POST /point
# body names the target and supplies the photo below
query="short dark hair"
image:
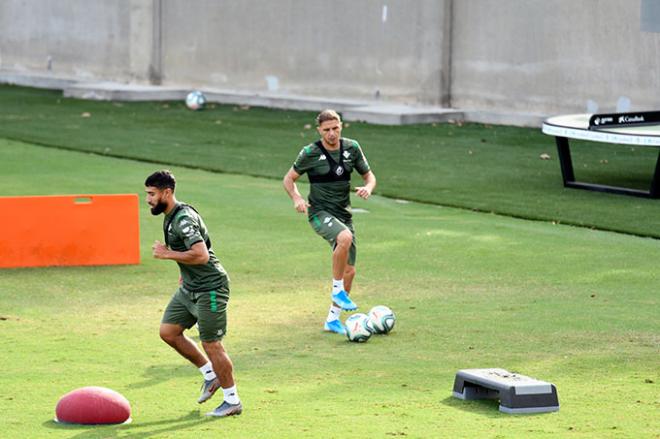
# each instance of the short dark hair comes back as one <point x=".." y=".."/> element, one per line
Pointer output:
<point x="161" y="179"/>
<point x="326" y="115"/>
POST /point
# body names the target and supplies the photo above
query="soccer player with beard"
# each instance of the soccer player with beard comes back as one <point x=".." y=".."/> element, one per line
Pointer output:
<point x="201" y="297"/>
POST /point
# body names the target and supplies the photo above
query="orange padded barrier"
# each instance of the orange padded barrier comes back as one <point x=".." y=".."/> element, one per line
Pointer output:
<point x="69" y="230"/>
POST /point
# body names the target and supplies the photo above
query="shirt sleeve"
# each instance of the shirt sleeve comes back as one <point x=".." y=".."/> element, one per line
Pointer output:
<point x="302" y="163"/>
<point x="361" y="164"/>
<point x="187" y="227"/>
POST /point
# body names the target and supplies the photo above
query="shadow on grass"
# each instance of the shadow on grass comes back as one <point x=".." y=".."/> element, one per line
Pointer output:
<point x="158" y="374"/>
<point x="486" y="407"/>
<point x="132" y="430"/>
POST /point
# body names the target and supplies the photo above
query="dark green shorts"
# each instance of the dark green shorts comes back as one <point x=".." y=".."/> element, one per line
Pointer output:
<point x="329" y="227"/>
<point x="207" y="308"/>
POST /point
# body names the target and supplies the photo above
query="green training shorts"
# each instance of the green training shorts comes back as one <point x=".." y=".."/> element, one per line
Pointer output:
<point x="328" y="227"/>
<point x="207" y="308"/>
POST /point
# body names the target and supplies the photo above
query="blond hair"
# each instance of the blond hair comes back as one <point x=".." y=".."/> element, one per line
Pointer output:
<point x="326" y="115"/>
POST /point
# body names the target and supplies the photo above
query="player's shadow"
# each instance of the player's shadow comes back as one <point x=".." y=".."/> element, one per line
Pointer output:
<point x="486" y="407"/>
<point x="132" y="430"/>
<point x="157" y="374"/>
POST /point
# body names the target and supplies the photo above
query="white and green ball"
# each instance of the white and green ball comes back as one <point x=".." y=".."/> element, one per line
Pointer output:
<point x="195" y="100"/>
<point x="381" y="319"/>
<point x="357" y="328"/>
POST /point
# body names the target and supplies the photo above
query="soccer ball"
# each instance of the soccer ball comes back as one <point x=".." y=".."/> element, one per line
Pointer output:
<point x="357" y="328"/>
<point x="195" y="100"/>
<point x="381" y="319"/>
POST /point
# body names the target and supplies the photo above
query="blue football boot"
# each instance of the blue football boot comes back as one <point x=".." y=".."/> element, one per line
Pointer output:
<point x="335" y="326"/>
<point x="345" y="302"/>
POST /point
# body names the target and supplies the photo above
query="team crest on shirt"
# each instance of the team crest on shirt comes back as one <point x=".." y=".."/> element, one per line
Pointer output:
<point x="187" y="227"/>
<point x="347" y="154"/>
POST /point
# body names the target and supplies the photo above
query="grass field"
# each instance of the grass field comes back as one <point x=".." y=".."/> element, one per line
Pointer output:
<point x="573" y="306"/>
<point x="484" y="168"/>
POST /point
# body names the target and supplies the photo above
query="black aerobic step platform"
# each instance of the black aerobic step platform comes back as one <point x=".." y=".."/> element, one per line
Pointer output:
<point x="516" y="393"/>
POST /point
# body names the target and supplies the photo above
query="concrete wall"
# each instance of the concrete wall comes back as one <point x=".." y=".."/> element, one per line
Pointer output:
<point x="392" y="50"/>
<point x="553" y="56"/>
<point x="539" y="56"/>
<point x="343" y="48"/>
<point x="88" y="39"/>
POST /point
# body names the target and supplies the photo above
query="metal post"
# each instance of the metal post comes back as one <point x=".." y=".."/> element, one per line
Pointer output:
<point x="565" y="161"/>
<point x="654" y="192"/>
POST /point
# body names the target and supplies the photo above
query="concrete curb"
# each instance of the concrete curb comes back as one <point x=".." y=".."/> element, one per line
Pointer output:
<point x="375" y="112"/>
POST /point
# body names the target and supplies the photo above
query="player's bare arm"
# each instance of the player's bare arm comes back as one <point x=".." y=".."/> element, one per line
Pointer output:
<point x="369" y="185"/>
<point x="299" y="203"/>
<point x="198" y="254"/>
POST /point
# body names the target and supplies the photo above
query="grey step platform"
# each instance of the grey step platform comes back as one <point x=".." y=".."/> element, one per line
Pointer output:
<point x="516" y="393"/>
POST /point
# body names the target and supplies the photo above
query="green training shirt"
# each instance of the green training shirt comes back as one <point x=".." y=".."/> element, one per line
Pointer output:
<point x="186" y="229"/>
<point x="331" y="196"/>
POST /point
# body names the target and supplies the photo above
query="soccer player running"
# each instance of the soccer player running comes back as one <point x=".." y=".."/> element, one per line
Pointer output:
<point x="202" y="295"/>
<point x="328" y="164"/>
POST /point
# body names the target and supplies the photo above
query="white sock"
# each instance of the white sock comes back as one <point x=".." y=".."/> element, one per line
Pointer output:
<point x="334" y="313"/>
<point x="231" y="395"/>
<point x="337" y="285"/>
<point x="207" y="371"/>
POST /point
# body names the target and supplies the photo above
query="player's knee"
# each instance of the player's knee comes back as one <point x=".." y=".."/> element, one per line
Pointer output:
<point x="345" y="238"/>
<point x="213" y="348"/>
<point x="167" y="335"/>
